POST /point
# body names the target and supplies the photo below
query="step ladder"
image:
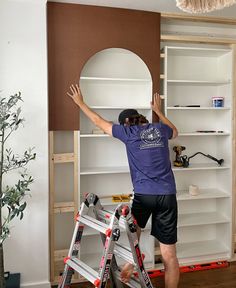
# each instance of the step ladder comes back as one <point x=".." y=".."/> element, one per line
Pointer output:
<point x="108" y="223"/>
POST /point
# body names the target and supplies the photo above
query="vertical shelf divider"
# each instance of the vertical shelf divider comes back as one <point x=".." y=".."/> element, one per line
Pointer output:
<point x="51" y="203"/>
<point x="234" y="153"/>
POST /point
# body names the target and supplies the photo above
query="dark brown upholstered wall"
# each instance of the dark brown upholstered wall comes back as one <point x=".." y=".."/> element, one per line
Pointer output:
<point x="76" y="32"/>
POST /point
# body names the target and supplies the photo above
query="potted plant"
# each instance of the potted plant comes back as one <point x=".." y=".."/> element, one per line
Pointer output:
<point x="12" y="197"/>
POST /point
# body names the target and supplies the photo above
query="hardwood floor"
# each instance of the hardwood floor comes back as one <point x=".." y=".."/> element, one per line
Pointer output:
<point x="216" y="278"/>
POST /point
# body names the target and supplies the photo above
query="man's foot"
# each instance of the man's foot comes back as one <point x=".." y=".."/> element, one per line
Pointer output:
<point x="127" y="272"/>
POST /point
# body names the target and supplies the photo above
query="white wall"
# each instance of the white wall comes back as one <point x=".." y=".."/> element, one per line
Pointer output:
<point x="23" y="67"/>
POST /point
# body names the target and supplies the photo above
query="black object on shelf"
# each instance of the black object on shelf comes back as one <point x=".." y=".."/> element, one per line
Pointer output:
<point x="186" y="159"/>
<point x="206" y="131"/>
<point x="193" y="105"/>
<point x="210" y="131"/>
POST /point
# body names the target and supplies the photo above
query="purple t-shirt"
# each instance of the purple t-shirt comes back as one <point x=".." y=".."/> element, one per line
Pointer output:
<point x="148" y="157"/>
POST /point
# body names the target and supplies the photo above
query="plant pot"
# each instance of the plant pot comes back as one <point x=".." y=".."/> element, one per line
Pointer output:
<point x="12" y="280"/>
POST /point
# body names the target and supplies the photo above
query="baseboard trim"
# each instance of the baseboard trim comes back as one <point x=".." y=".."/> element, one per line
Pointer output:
<point x="36" y="285"/>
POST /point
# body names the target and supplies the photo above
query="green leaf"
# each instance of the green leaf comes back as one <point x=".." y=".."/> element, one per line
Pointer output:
<point x="22" y="207"/>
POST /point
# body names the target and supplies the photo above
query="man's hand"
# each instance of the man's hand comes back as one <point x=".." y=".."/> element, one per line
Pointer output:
<point x="76" y="94"/>
<point x="156" y="107"/>
<point x="156" y="103"/>
<point x="77" y="97"/>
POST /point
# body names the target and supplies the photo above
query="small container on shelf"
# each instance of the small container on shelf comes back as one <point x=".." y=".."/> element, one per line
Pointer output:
<point x="217" y="102"/>
<point x="193" y="190"/>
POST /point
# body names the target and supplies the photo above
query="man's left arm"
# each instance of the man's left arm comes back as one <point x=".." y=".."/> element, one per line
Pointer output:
<point x="77" y="97"/>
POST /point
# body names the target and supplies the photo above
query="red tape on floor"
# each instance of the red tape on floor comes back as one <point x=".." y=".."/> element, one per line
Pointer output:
<point x="191" y="268"/>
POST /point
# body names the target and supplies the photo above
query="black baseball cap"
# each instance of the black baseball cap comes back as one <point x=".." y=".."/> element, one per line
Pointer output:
<point x="127" y="113"/>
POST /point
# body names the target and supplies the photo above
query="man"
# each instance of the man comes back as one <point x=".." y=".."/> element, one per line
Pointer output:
<point x="151" y="174"/>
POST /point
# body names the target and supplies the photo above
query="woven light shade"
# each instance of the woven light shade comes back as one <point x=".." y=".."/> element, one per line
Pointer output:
<point x="203" y="6"/>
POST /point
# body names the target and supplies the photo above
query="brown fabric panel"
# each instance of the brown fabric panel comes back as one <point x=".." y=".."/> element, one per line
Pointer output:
<point x="77" y="32"/>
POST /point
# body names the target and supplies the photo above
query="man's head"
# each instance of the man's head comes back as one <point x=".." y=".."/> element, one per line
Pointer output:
<point x="131" y="117"/>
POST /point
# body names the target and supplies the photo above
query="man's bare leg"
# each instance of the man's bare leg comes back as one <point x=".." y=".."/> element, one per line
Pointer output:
<point x="171" y="264"/>
<point x="128" y="269"/>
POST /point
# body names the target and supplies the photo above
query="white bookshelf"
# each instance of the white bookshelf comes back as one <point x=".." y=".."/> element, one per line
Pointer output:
<point x="198" y="252"/>
<point x="200" y="166"/>
<point x="203" y="134"/>
<point x="115" y="79"/>
<point x="94" y="135"/>
<point x="203" y="194"/>
<point x="111" y="81"/>
<point x="193" y="75"/>
<point x="198" y="108"/>
<point x="104" y="170"/>
<point x="197" y="82"/>
<point x="206" y="218"/>
<point x="119" y="107"/>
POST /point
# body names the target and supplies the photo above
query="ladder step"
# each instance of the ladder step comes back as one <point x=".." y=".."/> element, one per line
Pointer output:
<point x="83" y="269"/>
<point x="124" y="252"/>
<point x="95" y="224"/>
<point x="106" y="215"/>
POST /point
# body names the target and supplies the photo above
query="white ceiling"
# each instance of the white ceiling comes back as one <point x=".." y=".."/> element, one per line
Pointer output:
<point x="150" y="5"/>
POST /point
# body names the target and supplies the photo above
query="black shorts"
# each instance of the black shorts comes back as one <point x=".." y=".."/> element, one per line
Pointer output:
<point x="164" y="211"/>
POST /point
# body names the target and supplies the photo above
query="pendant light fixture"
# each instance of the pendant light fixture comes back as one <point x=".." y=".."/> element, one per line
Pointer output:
<point x="203" y="6"/>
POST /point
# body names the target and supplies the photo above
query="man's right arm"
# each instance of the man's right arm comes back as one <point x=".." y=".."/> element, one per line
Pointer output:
<point x="156" y="107"/>
<point x="77" y="97"/>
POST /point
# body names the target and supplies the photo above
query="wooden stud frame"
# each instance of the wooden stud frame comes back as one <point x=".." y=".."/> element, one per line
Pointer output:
<point x="197" y="38"/>
<point x="202" y="19"/>
<point x="61" y="207"/>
